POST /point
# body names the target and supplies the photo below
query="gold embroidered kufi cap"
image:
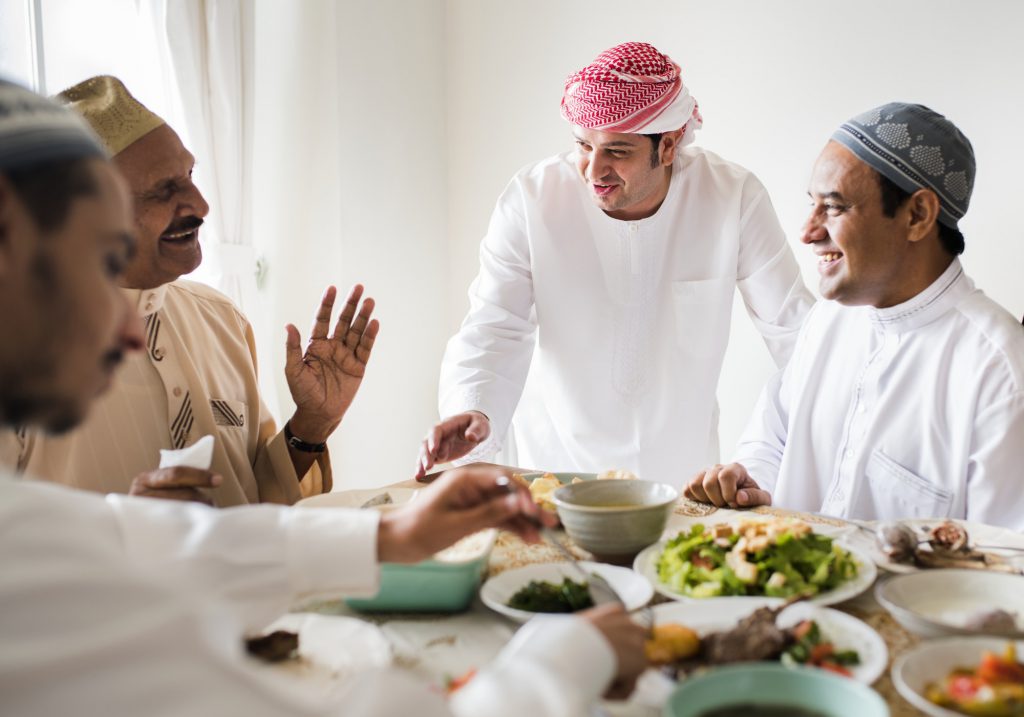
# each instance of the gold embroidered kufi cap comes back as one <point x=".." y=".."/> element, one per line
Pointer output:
<point x="106" y="104"/>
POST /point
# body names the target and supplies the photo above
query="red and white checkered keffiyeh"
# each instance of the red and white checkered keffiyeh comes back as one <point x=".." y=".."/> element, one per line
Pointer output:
<point x="631" y="88"/>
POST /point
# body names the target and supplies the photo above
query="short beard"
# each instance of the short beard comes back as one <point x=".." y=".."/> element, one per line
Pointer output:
<point x="21" y="410"/>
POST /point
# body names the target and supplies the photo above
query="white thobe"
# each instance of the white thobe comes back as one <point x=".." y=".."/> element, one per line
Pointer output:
<point x="913" y="411"/>
<point x="614" y="332"/>
<point x="136" y="606"/>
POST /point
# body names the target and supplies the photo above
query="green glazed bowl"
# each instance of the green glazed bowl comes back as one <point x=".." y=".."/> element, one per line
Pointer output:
<point x="430" y="586"/>
<point x="767" y="684"/>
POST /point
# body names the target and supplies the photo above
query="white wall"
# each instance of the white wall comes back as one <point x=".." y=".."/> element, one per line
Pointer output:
<point x="350" y="187"/>
<point x="385" y="130"/>
<point x="773" y="80"/>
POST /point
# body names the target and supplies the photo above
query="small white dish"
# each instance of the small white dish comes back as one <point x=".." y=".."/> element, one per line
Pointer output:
<point x="931" y="661"/>
<point x="634" y="589"/>
<point x="998" y="541"/>
<point x="934" y="603"/>
<point x="646" y="564"/>
<point x="845" y="631"/>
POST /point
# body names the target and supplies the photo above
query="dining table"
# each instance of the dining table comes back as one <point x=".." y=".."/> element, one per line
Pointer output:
<point x="336" y="642"/>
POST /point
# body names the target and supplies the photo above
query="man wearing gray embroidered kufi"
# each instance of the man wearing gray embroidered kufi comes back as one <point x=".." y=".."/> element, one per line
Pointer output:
<point x="905" y="396"/>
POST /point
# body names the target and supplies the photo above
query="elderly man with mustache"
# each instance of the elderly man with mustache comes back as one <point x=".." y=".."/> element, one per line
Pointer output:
<point x="197" y="375"/>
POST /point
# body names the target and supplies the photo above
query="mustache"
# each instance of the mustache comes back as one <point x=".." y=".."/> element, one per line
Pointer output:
<point x="185" y="224"/>
<point x="112" y="359"/>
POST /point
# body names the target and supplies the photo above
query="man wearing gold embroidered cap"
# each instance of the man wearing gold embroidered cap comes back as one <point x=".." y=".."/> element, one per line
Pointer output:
<point x="198" y="373"/>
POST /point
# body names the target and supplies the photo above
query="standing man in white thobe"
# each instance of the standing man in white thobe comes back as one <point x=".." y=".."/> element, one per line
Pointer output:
<point x="905" y="395"/>
<point x="599" y="320"/>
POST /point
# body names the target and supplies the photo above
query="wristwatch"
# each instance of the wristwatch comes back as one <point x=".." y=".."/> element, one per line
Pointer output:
<point x="299" y="444"/>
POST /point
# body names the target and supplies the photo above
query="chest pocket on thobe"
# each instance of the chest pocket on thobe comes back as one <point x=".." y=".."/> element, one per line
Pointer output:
<point x="228" y="414"/>
<point x="702" y="312"/>
<point x="899" y="493"/>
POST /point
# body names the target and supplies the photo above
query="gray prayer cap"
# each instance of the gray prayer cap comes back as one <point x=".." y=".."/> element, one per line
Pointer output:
<point x="35" y="130"/>
<point x="915" y="148"/>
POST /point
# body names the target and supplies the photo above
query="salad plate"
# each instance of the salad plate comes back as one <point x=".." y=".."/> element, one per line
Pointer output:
<point x="848" y="572"/>
<point x="844" y="631"/>
<point x="634" y="589"/>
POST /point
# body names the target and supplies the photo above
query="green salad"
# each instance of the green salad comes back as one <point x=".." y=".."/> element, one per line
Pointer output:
<point x="774" y="558"/>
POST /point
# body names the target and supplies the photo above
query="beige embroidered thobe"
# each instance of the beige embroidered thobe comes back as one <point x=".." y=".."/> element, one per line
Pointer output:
<point x="197" y="376"/>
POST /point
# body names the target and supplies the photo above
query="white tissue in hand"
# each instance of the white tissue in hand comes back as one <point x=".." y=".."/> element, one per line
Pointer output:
<point x="198" y="455"/>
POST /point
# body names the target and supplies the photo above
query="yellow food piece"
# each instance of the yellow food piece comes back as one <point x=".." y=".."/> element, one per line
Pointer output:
<point x="616" y="474"/>
<point x="671" y="642"/>
<point x="541" y="490"/>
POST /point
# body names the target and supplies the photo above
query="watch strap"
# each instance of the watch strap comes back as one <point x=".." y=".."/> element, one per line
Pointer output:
<point x="298" y="444"/>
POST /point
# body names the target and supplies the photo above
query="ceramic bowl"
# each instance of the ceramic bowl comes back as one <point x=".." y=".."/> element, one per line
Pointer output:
<point x="934" y="603"/>
<point x="615" y="518"/>
<point x="933" y="660"/>
<point x="765" y="684"/>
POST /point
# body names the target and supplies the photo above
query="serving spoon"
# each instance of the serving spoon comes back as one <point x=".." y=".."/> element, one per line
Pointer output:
<point x="601" y="590"/>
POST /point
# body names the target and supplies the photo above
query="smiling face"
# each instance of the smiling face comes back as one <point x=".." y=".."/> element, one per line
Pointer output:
<point x="168" y="208"/>
<point x="622" y="176"/>
<point x="865" y="257"/>
<point x="68" y="324"/>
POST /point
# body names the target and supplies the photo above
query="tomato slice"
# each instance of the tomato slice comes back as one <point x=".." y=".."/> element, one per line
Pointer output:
<point x="835" y="667"/>
<point x="820" y="653"/>
<point x="962" y="687"/>
<point x="994" y="669"/>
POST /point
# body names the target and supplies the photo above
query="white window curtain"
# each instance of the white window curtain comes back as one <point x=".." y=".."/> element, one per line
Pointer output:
<point x="205" y="50"/>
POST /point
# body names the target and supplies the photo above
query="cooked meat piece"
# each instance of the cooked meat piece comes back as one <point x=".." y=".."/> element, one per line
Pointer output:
<point x="995" y="622"/>
<point x="897" y="541"/>
<point x="275" y="647"/>
<point x="754" y="638"/>
<point x="948" y="537"/>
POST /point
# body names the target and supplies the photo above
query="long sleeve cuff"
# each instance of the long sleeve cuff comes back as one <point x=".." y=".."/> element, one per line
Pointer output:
<point x="565" y="661"/>
<point x="312" y="534"/>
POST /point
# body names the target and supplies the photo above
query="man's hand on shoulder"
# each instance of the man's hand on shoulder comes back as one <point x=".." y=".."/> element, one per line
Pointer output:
<point x="452" y="438"/>
<point x="728" y="486"/>
<point x="324" y="378"/>
<point x="178" y="483"/>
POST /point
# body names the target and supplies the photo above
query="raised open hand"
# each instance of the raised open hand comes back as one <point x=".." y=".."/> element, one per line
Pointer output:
<point x="324" y="379"/>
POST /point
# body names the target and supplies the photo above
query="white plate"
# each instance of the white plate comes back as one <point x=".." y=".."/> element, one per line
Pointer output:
<point x="645" y="564"/>
<point x="845" y="631"/>
<point x="932" y="603"/>
<point x="634" y="589"/>
<point x="933" y="660"/>
<point x="863" y="539"/>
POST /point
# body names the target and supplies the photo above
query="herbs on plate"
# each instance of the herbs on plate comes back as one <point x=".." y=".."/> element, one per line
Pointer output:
<point x="544" y="596"/>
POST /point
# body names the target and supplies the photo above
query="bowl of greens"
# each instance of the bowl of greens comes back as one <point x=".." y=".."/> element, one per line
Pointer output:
<point x="525" y="592"/>
<point x="769" y="557"/>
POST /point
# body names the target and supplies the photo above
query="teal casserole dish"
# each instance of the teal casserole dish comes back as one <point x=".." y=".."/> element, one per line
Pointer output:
<point x="446" y="583"/>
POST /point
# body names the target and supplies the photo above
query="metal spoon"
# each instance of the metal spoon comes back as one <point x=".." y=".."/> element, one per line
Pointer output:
<point x="600" y="589"/>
